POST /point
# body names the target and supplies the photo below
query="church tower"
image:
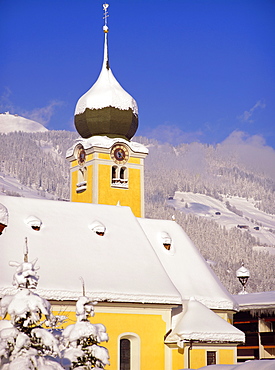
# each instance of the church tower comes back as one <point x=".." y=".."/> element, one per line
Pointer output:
<point x="106" y="167"/>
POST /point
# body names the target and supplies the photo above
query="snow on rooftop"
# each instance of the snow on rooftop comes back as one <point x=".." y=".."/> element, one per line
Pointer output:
<point x="119" y="266"/>
<point x="186" y="267"/>
<point x="12" y="123"/>
<point x="256" y="301"/>
<point x="106" y="92"/>
<point x="248" y="365"/>
<point x="199" y="323"/>
<point x="107" y="143"/>
<point x="4" y="216"/>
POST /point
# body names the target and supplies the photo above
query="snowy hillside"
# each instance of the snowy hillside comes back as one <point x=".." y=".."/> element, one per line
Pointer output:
<point x="12" y="123"/>
<point x="201" y="182"/>
<point x="230" y="212"/>
<point x="11" y="186"/>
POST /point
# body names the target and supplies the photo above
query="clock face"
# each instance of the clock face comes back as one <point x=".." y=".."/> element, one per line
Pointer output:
<point x="81" y="156"/>
<point x="119" y="154"/>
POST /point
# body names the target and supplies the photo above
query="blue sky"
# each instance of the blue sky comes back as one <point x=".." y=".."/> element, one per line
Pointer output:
<point x="199" y="69"/>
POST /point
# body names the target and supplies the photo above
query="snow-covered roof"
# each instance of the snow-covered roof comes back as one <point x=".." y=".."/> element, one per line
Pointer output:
<point x="106" y="92"/>
<point x="256" y="301"/>
<point x="12" y="123"/>
<point x="198" y="323"/>
<point x="119" y="266"/>
<point x="107" y="143"/>
<point x="186" y="267"/>
<point x="248" y="365"/>
<point x="4" y="216"/>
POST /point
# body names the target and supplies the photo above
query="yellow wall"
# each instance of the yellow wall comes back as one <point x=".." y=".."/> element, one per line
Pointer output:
<point x="105" y="193"/>
<point x="127" y="197"/>
<point x="226" y="356"/>
<point x="149" y="327"/>
<point x="197" y="357"/>
<point x="178" y="357"/>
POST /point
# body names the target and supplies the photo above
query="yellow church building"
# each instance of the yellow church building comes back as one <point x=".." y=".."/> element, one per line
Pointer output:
<point x="162" y="305"/>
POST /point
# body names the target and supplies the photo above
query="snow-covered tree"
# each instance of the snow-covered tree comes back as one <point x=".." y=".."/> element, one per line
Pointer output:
<point x="30" y="340"/>
<point x="81" y="340"/>
<point x="24" y="343"/>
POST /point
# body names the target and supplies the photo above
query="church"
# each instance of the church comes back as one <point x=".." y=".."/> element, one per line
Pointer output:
<point x="162" y="305"/>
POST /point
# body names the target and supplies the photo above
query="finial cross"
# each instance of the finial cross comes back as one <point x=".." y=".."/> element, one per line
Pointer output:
<point x="105" y="16"/>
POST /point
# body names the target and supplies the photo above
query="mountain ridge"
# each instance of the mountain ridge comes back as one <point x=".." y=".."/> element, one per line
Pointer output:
<point x="14" y="122"/>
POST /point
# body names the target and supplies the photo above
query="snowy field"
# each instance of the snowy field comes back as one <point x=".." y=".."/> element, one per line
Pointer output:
<point x="257" y="222"/>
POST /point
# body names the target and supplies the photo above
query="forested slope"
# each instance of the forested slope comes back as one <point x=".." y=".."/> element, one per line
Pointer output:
<point x="38" y="161"/>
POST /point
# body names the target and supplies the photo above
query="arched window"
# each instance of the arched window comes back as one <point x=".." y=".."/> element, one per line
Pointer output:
<point x="119" y="177"/>
<point x="122" y="173"/>
<point x="129" y="352"/>
<point x="82" y="179"/>
<point x="114" y="175"/>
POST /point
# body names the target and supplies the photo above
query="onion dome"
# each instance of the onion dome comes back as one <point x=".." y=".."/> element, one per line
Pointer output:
<point x="106" y="109"/>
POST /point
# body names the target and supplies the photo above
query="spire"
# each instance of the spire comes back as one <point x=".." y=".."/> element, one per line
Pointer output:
<point x="106" y="109"/>
<point x="106" y="30"/>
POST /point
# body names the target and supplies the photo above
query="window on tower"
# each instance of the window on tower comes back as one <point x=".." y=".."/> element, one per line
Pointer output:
<point x="119" y="177"/>
<point x="82" y="180"/>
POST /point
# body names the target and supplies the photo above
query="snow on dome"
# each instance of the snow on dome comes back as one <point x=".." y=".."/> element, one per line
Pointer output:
<point x="4" y="215"/>
<point x="106" y="92"/>
<point x="198" y="323"/>
<point x="106" y="108"/>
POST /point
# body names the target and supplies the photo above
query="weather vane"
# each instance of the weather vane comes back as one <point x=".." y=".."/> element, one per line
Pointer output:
<point x="106" y="15"/>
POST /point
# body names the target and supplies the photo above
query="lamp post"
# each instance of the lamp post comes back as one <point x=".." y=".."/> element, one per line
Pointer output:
<point x="243" y="275"/>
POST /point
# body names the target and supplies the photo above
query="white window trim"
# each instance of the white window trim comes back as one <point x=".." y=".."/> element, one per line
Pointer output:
<point x="135" y="349"/>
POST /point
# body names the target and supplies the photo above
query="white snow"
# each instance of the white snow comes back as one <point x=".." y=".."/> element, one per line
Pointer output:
<point x="10" y="185"/>
<point x="261" y="300"/>
<point x="119" y="266"/>
<point x="22" y="302"/>
<point x="12" y="123"/>
<point x="4" y="215"/>
<point x="106" y="92"/>
<point x="242" y="272"/>
<point x="185" y="266"/>
<point x="248" y="365"/>
<point x="206" y="206"/>
<point x="198" y="323"/>
<point x="84" y="308"/>
<point x="106" y="143"/>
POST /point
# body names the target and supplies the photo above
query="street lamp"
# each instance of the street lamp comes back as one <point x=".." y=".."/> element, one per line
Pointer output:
<point x="243" y="275"/>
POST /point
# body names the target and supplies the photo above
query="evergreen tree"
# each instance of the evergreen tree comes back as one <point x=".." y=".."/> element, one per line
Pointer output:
<point x="27" y="345"/>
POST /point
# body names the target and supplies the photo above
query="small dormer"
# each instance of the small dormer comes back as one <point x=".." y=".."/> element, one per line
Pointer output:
<point x="34" y="222"/>
<point x="98" y="228"/>
<point x="166" y="240"/>
<point x="4" y="216"/>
